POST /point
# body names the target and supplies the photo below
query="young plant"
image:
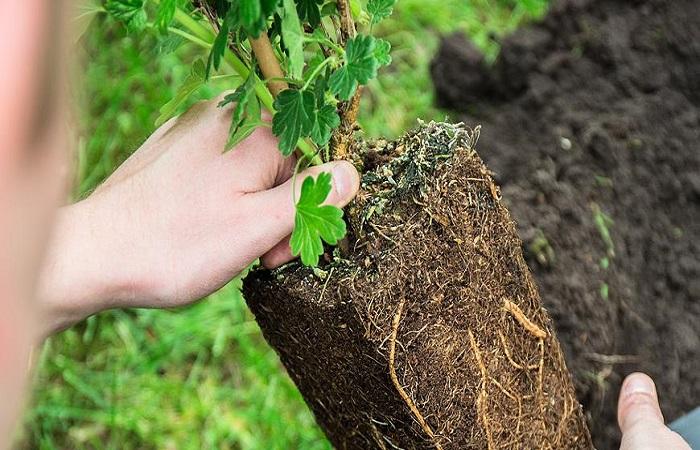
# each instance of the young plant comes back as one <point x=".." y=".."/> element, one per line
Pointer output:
<point x="304" y="61"/>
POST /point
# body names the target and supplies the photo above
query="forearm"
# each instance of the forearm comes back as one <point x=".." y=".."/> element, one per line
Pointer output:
<point x="76" y="280"/>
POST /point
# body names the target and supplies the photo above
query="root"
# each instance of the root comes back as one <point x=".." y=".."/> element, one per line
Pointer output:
<point x="323" y="291"/>
<point x="509" y="356"/>
<point x="524" y="321"/>
<point x="540" y="390"/>
<point x="392" y="373"/>
<point x="483" y="395"/>
<point x="377" y="436"/>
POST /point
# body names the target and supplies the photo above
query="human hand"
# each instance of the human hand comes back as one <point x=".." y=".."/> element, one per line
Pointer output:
<point x="640" y="418"/>
<point x="178" y="220"/>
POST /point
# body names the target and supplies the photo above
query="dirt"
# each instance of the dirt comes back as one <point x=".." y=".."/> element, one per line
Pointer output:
<point x="591" y="122"/>
<point x="425" y="330"/>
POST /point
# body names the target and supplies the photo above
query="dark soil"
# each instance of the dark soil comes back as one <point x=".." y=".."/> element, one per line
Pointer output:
<point x="427" y="332"/>
<point x="595" y="112"/>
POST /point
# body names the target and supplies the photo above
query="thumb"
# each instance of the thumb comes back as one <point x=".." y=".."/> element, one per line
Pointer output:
<point x="640" y="418"/>
<point x="638" y="405"/>
<point x="273" y="210"/>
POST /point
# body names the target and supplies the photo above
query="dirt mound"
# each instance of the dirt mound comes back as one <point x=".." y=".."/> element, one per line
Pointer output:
<point x="429" y="332"/>
<point x="591" y="121"/>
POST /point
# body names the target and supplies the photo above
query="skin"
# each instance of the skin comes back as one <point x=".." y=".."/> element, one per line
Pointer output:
<point x="173" y="224"/>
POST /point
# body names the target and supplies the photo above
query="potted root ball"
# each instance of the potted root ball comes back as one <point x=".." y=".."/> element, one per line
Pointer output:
<point x="411" y="319"/>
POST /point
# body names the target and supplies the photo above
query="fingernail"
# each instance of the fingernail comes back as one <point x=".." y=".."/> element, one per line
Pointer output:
<point x="342" y="179"/>
<point x="638" y="383"/>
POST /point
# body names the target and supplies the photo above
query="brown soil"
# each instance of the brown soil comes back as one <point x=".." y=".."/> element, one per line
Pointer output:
<point x="597" y="109"/>
<point x="428" y="332"/>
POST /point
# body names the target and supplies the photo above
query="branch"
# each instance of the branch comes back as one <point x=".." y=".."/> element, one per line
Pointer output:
<point x="347" y="110"/>
<point x="340" y="140"/>
<point x="268" y="63"/>
<point x="347" y="25"/>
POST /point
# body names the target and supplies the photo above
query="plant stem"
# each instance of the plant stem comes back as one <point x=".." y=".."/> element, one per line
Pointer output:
<point x="340" y="141"/>
<point x="347" y="25"/>
<point x="316" y="71"/>
<point x="269" y="66"/>
<point x="348" y="110"/>
<point x="271" y="70"/>
<point x="204" y="37"/>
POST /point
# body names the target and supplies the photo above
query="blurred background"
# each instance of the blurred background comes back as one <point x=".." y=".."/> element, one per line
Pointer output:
<point x="203" y="377"/>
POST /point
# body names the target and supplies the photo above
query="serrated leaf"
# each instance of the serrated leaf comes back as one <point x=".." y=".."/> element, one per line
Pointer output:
<point x="245" y="116"/>
<point x="220" y="43"/>
<point x="314" y="223"/>
<point x="360" y="66"/>
<point x="294" y="118"/>
<point x="382" y="52"/>
<point x="327" y="120"/>
<point x="194" y="81"/>
<point x="249" y="123"/>
<point x="310" y="11"/>
<point x="380" y="9"/>
<point x="293" y="37"/>
<point x="131" y="12"/>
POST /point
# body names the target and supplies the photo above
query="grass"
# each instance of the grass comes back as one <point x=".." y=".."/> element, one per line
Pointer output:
<point x="202" y="376"/>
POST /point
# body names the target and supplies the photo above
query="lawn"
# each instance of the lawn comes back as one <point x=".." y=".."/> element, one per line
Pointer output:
<point x="203" y="376"/>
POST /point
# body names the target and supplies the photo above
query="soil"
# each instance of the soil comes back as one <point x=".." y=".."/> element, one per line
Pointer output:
<point x="591" y="122"/>
<point x="426" y="330"/>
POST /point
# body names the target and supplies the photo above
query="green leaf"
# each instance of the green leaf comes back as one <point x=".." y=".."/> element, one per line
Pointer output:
<point x="310" y="10"/>
<point x="249" y="13"/>
<point x="380" y="9"/>
<point x="165" y="14"/>
<point x="327" y="120"/>
<point x="249" y="123"/>
<point x="293" y="37"/>
<point x="194" y="81"/>
<point x="329" y="9"/>
<point x="355" y="9"/>
<point x="246" y="114"/>
<point x="360" y="66"/>
<point x="313" y="222"/>
<point x="131" y="12"/>
<point x="220" y="43"/>
<point x="382" y="52"/>
<point x="252" y="15"/>
<point x="294" y="118"/>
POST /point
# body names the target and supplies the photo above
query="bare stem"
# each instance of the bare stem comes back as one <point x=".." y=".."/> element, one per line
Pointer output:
<point x="340" y="141"/>
<point x="347" y="110"/>
<point x="268" y="63"/>
<point x="347" y="25"/>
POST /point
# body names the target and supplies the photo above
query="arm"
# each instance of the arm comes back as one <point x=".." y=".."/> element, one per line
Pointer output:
<point x="177" y="221"/>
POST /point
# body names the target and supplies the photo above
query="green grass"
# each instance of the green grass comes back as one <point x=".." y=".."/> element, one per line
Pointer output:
<point x="203" y="377"/>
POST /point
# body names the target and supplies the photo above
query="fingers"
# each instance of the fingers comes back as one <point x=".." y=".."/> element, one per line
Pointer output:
<point x="278" y="255"/>
<point x="640" y="418"/>
<point x="271" y="212"/>
<point x="638" y="404"/>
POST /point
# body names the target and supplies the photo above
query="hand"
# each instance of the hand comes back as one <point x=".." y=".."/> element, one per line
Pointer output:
<point x="178" y="220"/>
<point x="640" y="418"/>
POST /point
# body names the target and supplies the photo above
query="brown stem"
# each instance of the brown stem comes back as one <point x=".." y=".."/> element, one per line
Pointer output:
<point x="340" y="141"/>
<point x="348" y="110"/>
<point x="269" y="65"/>
<point x="347" y="25"/>
<point x="264" y="53"/>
